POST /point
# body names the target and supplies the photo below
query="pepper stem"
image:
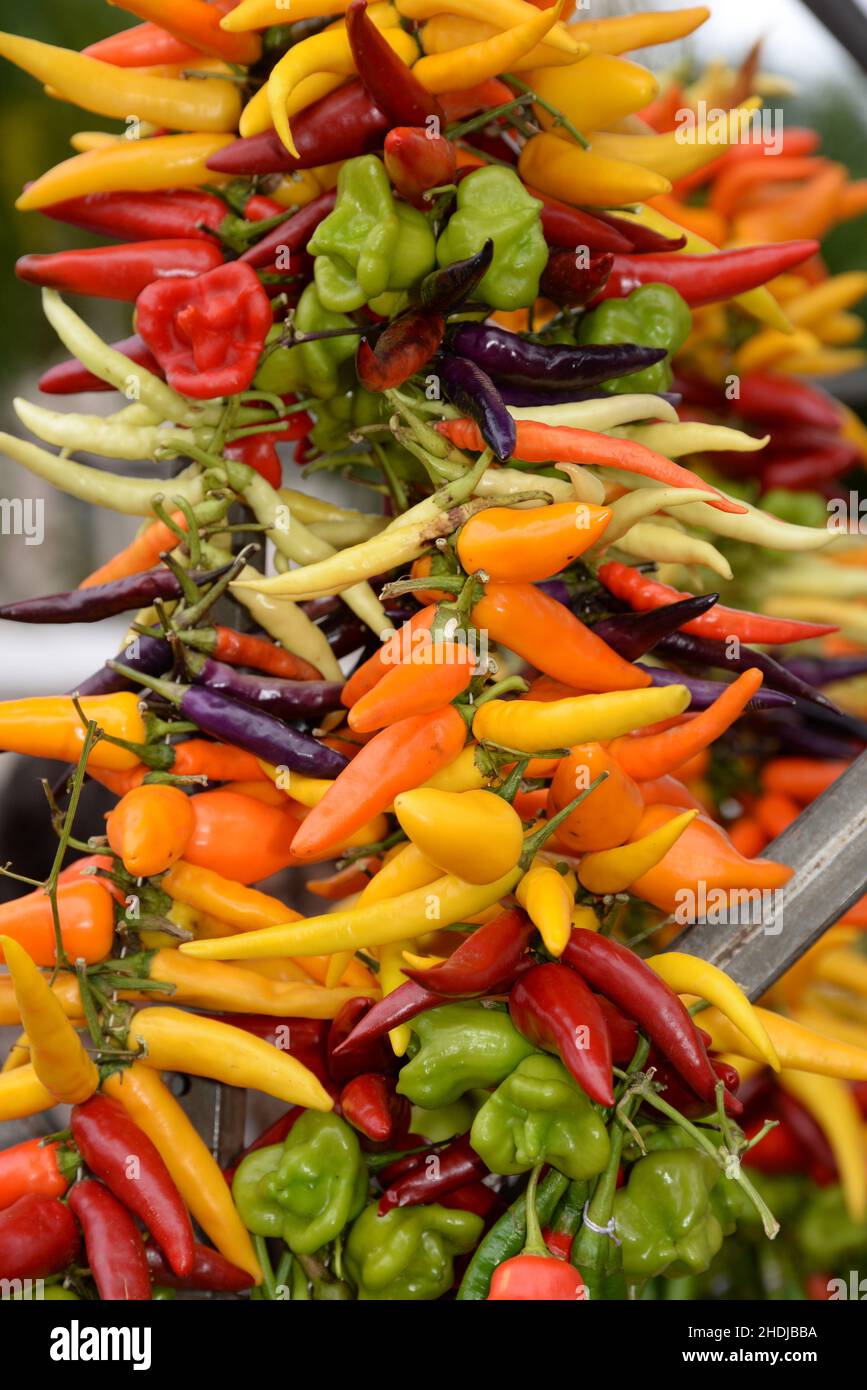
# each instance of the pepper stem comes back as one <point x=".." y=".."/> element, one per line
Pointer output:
<point x="559" y="118"/>
<point x="535" y="1242"/>
<point x="170" y="690"/>
<point x="534" y="842"/>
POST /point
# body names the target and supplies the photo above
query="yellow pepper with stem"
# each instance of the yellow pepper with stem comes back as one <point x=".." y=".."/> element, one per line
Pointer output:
<point x="548" y="898"/>
<point x="22" y="1094"/>
<point x="796" y="1046"/>
<point x="504" y="15"/>
<point x="137" y="166"/>
<point x="613" y="870"/>
<point x="462" y="775"/>
<point x="479" y="61"/>
<point x="832" y="1106"/>
<point x="687" y="974"/>
<point x="57" y="1056"/>
<point x="531" y="726"/>
<point x="194" y="1170"/>
<point x="563" y="170"/>
<point x="476" y="835"/>
<point x="598" y="94"/>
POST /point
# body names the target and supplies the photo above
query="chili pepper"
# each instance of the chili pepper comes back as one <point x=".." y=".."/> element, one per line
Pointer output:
<point x="245" y="649"/>
<point x="553" y="1015"/>
<point x="369" y="1104"/>
<point x="654" y="316"/>
<point x="830" y="1103"/>
<point x="416" y="161"/>
<point x="99" y="601"/>
<point x="197" y="24"/>
<point x="485" y="963"/>
<point x="461" y="1047"/>
<point x="408" y="1253"/>
<point x="408" y="343"/>
<point x="57" y="1056"/>
<point x="474" y="835"/>
<point x="288" y="699"/>
<point x="245" y="909"/>
<point x="565" y="171"/>
<point x="372" y="1057"/>
<point x="570" y="227"/>
<point x="36" y="1166"/>
<point x="166" y="161"/>
<point x="491" y="56"/>
<point x="355" y="1048"/>
<point x="614" y="870"/>
<point x="256" y="731"/>
<point x="685" y="648"/>
<point x="436" y="674"/>
<point x="720" y="622"/>
<point x="211" y="1272"/>
<point x="119" y="272"/>
<point x="149" y="828"/>
<point x="307" y="1189"/>
<point x="610" y="814"/>
<point x="775" y="397"/>
<point x="22" y="1094"/>
<point x="144" y="45"/>
<point x="144" y="216"/>
<point x="539" y="1115"/>
<point x="797" y="1046"/>
<point x="389" y="82"/>
<point x="456" y="1165"/>
<point x="71" y="378"/>
<point x="492" y="203"/>
<point x="531" y="726"/>
<point x="569" y="283"/>
<point x="114" y="1248"/>
<point x="86" y="922"/>
<point x="712" y="984"/>
<point x="802" y="778"/>
<point x="706" y="279"/>
<point x="109" y="1142"/>
<point x="366" y="676"/>
<point x="633" y="634"/>
<point x="548" y="898"/>
<point x="663" y="1216"/>
<point x="446" y="288"/>
<point x="470" y="388"/>
<point x="38" y="1237"/>
<point x="238" y="836"/>
<point x="654" y="755"/>
<point x="531" y="544"/>
<point x="507" y="1236"/>
<point x="340" y="125"/>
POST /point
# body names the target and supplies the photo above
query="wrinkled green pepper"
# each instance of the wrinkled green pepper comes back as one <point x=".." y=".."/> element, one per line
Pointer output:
<point x="461" y="1047"/>
<point x="826" y="1234"/>
<point x="652" y="316"/>
<point x="664" y="1217"/>
<point x="306" y="1189"/>
<point x="408" y="1254"/>
<point x="370" y="243"/>
<point x="493" y="203"/>
<point x="308" y="368"/>
<point x="539" y="1115"/>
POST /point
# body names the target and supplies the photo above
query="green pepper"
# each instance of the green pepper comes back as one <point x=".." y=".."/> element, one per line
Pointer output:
<point x="494" y="204"/>
<point x="539" y="1115"/>
<point x="826" y="1234"/>
<point x="369" y="243"/>
<point x="308" y="367"/>
<point x="461" y="1047"/>
<point x="408" y="1254"/>
<point x="306" y="1189"/>
<point x="652" y="316"/>
<point x="664" y="1218"/>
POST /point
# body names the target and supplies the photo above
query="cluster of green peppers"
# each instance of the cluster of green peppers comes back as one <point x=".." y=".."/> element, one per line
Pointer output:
<point x="652" y="316"/>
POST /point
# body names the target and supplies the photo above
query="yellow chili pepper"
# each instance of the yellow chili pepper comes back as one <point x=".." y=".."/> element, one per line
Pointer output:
<point x="584" y="918"/>
<point x="261" y="14"/>
<point x="796" y="1046"/>
<point x="85" y="140"/>
<point x="771" y="346"/>
<point x="297" y="190"/>
<point x="442" y="902"/>
<point x="613" y="870"/>
<point x="563" y="170"/>
<point x="391" y="977"/>
<point x="623" y="33"/>
<point x="22" y="1094"/>
<point x="245" y="909"/>
<point x="475" y="835"/>
<point x="462" y="775"/>
<point x="833" y="1107"/>
<point x="228" y="989"/>
<point x="548" y="898"/>
<point x="840" y="330"/>
<point x="177" y="1041"/>
<point x="194" y="1170"/>
<point x="446" y="32"/>
<point x="504" y="15"/>
<point x="689" y="975"/>
<point x="59" y="1060"/>
<point x="64" y="989"/>
<point x="688" y="437"/>
<point x="845" y="968"/>
<point x="836" y="293"/>
<point x="49" y="726"/>
<point x="480" y="61"/>
<point x="666" y="544"/>
<point x="530" y="726"/>
<point x="595" y="96"/>
<point x="19" y="1054"/>
<point x="671" y="153"/>
<point x="139" y="166"/>
<point x="206" y="104"/>
<point x="825" y="362"/>
<point x="822" y="1020"/>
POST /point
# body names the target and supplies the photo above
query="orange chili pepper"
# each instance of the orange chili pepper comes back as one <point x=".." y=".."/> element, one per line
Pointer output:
<point x="353" y="879"/>
<point x="141" y="554"/>
<point x="469" y="101"/>
<point x="739" y="180"/>
<point x="774" y="812"/>
<point x="49" y="726"/>
<point x="802" y="778"/>
<point x="549" y="636"/>
<point x="668" y="791"/>
<point x="390" y="653"/>
<point x="809" y="211"/>
<point x="531" y="544"/>
<point x="617" y="805"/>
<point x="436" y="673"/>
<point x="240" y="837"/>
<point x="81" y="870"/>
<point x="35" y="1166"/>
<point x="195" y="757"/>
<point x="149" y="828"/>
<point x="198" y="24"/>
<point x="652" y="755"/>
<point x="421" y="568"/>
<point x="395" y="760"/>
<point x="748" y="837"/>
<point x="86" y="922"/>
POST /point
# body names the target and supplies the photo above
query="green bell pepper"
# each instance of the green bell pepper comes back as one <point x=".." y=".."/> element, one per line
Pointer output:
<point x="370" y="243"/>
<point x="664" y="1218"/>
<point x="826" y="1234"/>
<point x="408" y="1254"/>
<point x="306" y="1189"/>
<point x="539" y="1115"/>
<point x="652" y="316"/>
<point x="461" y="1047"/>
<point x="308" y="368"/>
<point x="494" y="204"/>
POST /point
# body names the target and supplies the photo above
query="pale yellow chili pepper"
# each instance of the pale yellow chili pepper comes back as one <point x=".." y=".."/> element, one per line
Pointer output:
<point x="613" y="870"/>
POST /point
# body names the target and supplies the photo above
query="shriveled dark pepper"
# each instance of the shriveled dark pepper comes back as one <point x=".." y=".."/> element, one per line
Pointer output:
<point x="571" y="284"/>
<point x="437" y="1173"/>
<point x="404" y="348"/>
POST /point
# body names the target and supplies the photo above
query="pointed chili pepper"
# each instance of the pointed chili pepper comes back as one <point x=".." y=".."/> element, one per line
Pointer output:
<point x="565" y="281"/>
<point x="184" y="212"/>
<point x="468" y="386"/>
<point x="341" y="125"/>
<point x="100" y="601"/>
<point x="417" y="160"/>
<point x="56" y="1054"/>
<point x="288" y="699"/>
<point x="38" y="1237"/>
<point x="368" y="1053"/>
<point x="370" y="1103"/>
<point x="631" y="635"/>
<point x="70" y="378"/>
<point x="487" y="962"/>
<point x="120" y="272"/>
<point x="642" y="238"/>
<point x="654" y="755"/>
<point x="685" y="648"/>
<point x="787" y="400"/>
<point x="507" y="355"/>
<point x="552" y="1014"/>
<point x="706" y="279"/>
<point x="530" y="544"/>
<point x="388" y="80"/>
<point x="245" y="649"/>
<point x="569" y="227"/>
<point x="211" y="1272"/>
<point x="198" y="24"/>
<point x="456" y="1165"/>
<point x="142" y="46"/>
<point x="36" y="1166"/>
<point x="438" y="671"/>
<point x="114" y="1248"/>
<point x="397" y="647"/>
<point x="403" y="1004"/>
<point x="444" y="289"/>
<point x="407" y="345"/>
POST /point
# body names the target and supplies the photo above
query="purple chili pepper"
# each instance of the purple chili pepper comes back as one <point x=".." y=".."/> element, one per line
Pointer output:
<point x="149" y="655"/>
<point x="811" y="742"/>
<point x="633" y="634"/>
<point x="287" y="699"/>
<point x="504" y="354"/>
<point x="825" y="670"/>
<point x="470" y="388"/>
<point x="104" y="600"/>
<point x="685" y="647"/>
<point x="443" y="289"/>
<point x="705" y="692"/>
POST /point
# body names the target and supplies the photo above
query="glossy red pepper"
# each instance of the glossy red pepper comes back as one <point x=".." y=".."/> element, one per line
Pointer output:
<point x="291" y="237"/>
<point x="211" y="1272"/>
<point x="38" y="1237"/>
<point x="775" y="398"/>
<point x="404" y="348"/>
<point x="678" y="1094"/>
<point x="487" y="962"/>
<point x="536" y="1279"/>
<point x="341" y="125"/>
<point x="115" y="1252"/>
<point x="182" y="212"/>
<point x="69" y="378"/>
<point x="124" y="271"/>
<point x="370" y="1104"/>
<point x="389" y="82"/>
<point x="417" y="160"/>
<point x="438" y="1172"/>
<point x="706" y="279"/>
<point x="353" y="1046"/>
<point x="552" y="1014"/>
<point x="245" y="649"/>
<point x="642" y="239"/>
<point x="36" y="1165"/>
<point x="259" y="452"/>
<point x="207" y="333"/>
<point x="571" y="284"/>
<point x="571" y="228"/>
<point x="475" y="1197"/>
<point x="127" y="1161"/>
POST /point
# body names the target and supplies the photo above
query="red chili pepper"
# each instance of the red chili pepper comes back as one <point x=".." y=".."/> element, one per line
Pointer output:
<point x="244" y="649"/>
<point x="130" y="1165"/>
<point x="292" y="236"/>
<point x="486" y="963"/>
<point x="124" y="271"/>
<point x="805" y="469"/>
<point x="779" y="1152"/>
<point x="38" y="1237"/>
<point x="368" y="1053"/>
<point x="143" y="46"/>
<point x="438" y="1172"/>
<point x="571" y="228"/>
<point x="69" y="378"/>
<point x="624" y="978"/>
<point x="258" y="452"/>
<point x="788" y="401"/>
<point x="339" y="126"/>
<point x="475" y="1197"/>
<point x="536" y="1279"/>
<point x="565" y="281"/>
<point x="388" y="80"/>
<point x="115" y="1252"/>
<point x="342" y="884"/>
<point x="552" y="1014"/>
<point x="706" y="279"/>
<point x="183" y="212"/>
<point x="36" y="1165"/>
<point x="406" y="346"/>
<point x="370" y="1104"/>
<point x="416" y="160"/>
<point x="273" y="1134"/>
<point x="622" y="1032"/>
<point x="259" y="208"/>
<point x="207" y="333"/>
<point x="805" y="1129"/>
<point x="644" y="595"/>
<point x="558" y="1242"/>
<point x="211" y="1272"/>
<point x="676" y="1093"/>
<point x="354" y="1050"/>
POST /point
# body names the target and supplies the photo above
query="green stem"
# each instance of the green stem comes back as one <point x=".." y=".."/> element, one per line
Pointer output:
<point x="395" y="485"/>
<point x="534" y="1244"/>
<point x="479" y="122"/>
<point x="559" y="118"/>
<point x="260" y="1245"/>
<point x="503" y="687"/>
<point x="534" y="842"/>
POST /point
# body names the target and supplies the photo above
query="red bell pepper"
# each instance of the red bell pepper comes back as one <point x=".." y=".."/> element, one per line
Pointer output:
<point x="115" y="1252"/>
<point x="182" y="212"/>
<point x="124" y="271"/>
<point x="487" y="962"/>
<point x="207" y="333"/>
<point x="553" y="1014"/>
<point x="211" y="1272"/>
<point x="437" y="1172"/>
<point x="69" y="378"/>
<point x="341" y="125"/>
<point x="389" y="82"/>
<point x="706" y="279"/>
<point x="416" y="160"/>
<point x="38" y="1237"/>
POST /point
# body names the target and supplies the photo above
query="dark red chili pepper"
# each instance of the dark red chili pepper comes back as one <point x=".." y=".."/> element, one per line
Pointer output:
<point x="207" y="333"/>
<point x="258" y="208"/>
<point x="641" y="238"/>
<point x="447" y="287"/>
<point x="767" y="396"/>
<point x="121" y="272"/>
<point x="438" y="1172"/>
<point x="486" y="963"/>
<point x="184" y="212"/>
<point x="274" y="1134"/>
<point x="623" y="977"/>
<point x="631" y="635"/>
<point x="404" y="348"/>
<point x="244" y="649"/>
<point x="513" y="358"/>
<point x="341" y="125"/>
<point x="417" y="160"/>
<point x="115" y="1252"/>
<point x="552" y="1014"/>
<point x="103" y="600"/>
<point x="38" y="1237"/>
<point x="622" y="1032"/>
<point x="292" y="236"/>
<point x="211" y="1272"/>
<point x="779" y="1152"/>
<point x="389" y="82"/>
<point x="804" y="469"/>
<point x="370" y="1103"/>
<point x="130" y="1165"/>
<point x="805" y="1130"/>
<point x="69" y="378"/>
<point x="475" y="1197"/>
<point x="496" y="143"/>
<point x="355" y="1051"/>
<point x="708" y="278"/>
<point x="677" y="1093"/>
<point x="572" y="285"/>
<point x="570" y="228"/>
<point x="290" y="699"/>
<point x="467" y="385"/>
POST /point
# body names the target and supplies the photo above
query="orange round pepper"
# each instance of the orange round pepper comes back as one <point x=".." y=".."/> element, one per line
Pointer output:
<point x="240" y="837"/>
<point x="86" y="922"/>
<point x="609" y="816"/>
<point x="522" y="546"/>
<point x="149" y="828"/>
